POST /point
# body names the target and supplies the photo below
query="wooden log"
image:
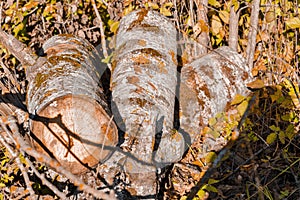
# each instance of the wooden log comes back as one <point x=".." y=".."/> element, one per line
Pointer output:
<point x="65" y="96"/>
<point x="143" y="89"/>
<point x="207" y="85"/>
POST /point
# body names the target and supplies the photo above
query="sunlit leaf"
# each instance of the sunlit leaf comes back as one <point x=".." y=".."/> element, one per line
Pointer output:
<point x="237" y="99"/>
<point x="257" y="84"/>
<point x="165" y="11"/>
<point x="210" y="157"/>
<point x="293" y="22"/>
<point x="214" y="3"/>
<point x="114" y="26"/>
<point x="224" y="15"/>
<point x="216" y="24"/>
<point x="270" y="16"/>
<point x="242" y="107"/>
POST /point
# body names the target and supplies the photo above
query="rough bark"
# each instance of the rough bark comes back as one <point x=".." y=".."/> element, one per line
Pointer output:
<point x="203" y="38"/>
<point x="233" y="29"/>
<point x="252" y="32"/>
<point x="66" y="99"/>
<point x="143" y="89"/>
<point x="207" y="85"/>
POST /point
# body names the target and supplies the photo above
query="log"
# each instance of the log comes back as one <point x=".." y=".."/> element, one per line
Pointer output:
<point x="143" y="88"/>
<point x="71" y="119"/>
<point x="207" y="85"/>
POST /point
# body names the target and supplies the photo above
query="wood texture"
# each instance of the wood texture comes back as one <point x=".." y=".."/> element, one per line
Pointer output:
<point x="65" y="95"/>
<point x="207" y="85"/>
<point x="143" y="89"/>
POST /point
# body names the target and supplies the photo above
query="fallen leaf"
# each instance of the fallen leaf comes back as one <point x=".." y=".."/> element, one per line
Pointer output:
<point x="257" y="84"/>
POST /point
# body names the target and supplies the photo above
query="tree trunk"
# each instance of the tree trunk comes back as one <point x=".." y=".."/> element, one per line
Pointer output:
<point x="65" y="96"/>
<point x="143" y="89"/>
<point x="207" y="85"/>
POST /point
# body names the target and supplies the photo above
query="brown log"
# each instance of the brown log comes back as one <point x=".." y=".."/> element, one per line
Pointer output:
<point x="207" y="85"/>
<point x="66" y="98"/>
<point x="143" y="89"/>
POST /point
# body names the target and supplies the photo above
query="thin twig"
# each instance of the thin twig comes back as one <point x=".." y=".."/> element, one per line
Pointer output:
<point x="103" y="41"/>
<point x="252" y="33"/>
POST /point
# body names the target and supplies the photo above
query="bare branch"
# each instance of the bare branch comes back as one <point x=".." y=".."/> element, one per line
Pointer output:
<point x="252" y="33"/>
<point x="103" y="41"/>
<point x="203" y="38"/>
<point x="233" y="29"/>
<point x="18" y="49"/>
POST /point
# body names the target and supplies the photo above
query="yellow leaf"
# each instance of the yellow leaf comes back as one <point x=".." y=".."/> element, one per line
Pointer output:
<point x="203" y="26"/>
<point x="165" y="11"/>
<point x="257" y="84"/>
<point x="212" y="121"/>
<point x="242" y="107"/>
<point x="293" y="22"/>
<point x="237" y="99"/>
<point x="154" y="6"/>
<point x="216" y="24"/>
<point x="270" y="16"/>
<point x="114" y="27"/>
<point x="30" y="5"/>
<point x="214" y="3"/>
<point x="210" y="157"/>
<point x="198" y="163"/>
<point x="271" y="138"/>
<point x="224" y="15"/>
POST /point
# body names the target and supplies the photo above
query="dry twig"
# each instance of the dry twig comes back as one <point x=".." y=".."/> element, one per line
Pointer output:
<point x="24" y="146"/>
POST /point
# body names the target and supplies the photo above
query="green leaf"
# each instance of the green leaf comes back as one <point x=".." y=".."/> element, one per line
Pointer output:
<point x="274" y="128"/>
<point x="212" y="181"/>
<point x="293" y="23"/>
<point x="282" y="137"/>
<point x="271" y="138"/>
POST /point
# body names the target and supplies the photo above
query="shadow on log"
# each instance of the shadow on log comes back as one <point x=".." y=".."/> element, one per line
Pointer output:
<point x="65" y="96"/>
<point x="208" y="84"/>
<point x="143" y="90"/>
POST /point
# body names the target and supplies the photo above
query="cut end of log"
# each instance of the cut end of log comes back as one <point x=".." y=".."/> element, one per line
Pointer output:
<point x="77" y="131"/>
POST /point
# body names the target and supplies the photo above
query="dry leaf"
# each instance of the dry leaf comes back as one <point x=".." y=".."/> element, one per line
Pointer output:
<point x="257" y="84"/>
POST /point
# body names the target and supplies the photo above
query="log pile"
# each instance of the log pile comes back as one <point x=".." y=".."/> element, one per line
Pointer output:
<point x="71" y="120"/>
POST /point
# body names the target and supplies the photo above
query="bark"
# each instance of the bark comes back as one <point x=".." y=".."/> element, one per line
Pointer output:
<point x="252" y="32"/>
<point x="207" y="85"/>
<point x="203" y="38"/>
<point x="143" y="89"/>
<point x="67" y="101"/>
<point x="233" y="29"/>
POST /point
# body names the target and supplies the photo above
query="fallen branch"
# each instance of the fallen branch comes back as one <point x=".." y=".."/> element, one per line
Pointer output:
<point x="18" y="49"/>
